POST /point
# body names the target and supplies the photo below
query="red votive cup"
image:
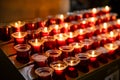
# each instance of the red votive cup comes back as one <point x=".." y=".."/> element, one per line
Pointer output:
<point x="50" y="21"/>
<point x="111" y="36"/>
<point x="18" y="26"/>
<point x="23" y="53"/>
<point x="92" y="21"/>
<point x="55" y="29"/>
<point x="72" y="62"/>
<point x="69" y="17"/>
<point x="37" y="45"/>
<point x="111" y="47"/>
<point x="103" y="56"/>
<point x="117" y="23"/>
<point x="80" y="34"/>
<point x="44" y="31"/>
<point x="71" y="37"/>
<point x="96" y="42"/>
<point x="77" y="47"/>
<point x="93" y="54"/>
<point x="59" y="18"/>
<point x="19" y="37"/>
<point x="5" y="33"/>
<point x="61" y="39"/>
<point x="74" y="26"/>
<point x="103" y="39"/>
<point x="30" y="25"/>
<point x="65" y="28"/>
<point x="53" y="55"/>
<point x="83" y="24"/>
<point x="90" y="31"/>
<point x="44" y="73"/>
<point x="39" y="60"/>
<point x="78" y="16"/>
<point x="40" y="22"/>
<point x="87" y="44"/>
<point x="59" y="70"/>
<point x="49" y="42"/>
<point x="93" y="12"/>
<point x="83" y="65"/>
<point x="66" y="51"/>
<point x="106" y="9"/>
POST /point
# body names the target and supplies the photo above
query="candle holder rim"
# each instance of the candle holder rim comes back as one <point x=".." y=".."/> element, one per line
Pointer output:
<point x="68" y="48"/>
<point x="15" y="34"/>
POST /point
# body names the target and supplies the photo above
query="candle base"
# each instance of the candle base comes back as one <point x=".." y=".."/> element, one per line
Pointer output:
<point x="59" y="76"/>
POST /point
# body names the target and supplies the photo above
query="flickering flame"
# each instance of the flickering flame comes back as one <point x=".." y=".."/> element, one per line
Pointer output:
<point x="93" y="54"/>
<point x="36" y="41"/>
<point x="45" y="29"/>
<point x="107" y="8"/>
<point x="19" y="35"/>
<point x="94" y="10"/>
<point x="56" y="27"/>
<point x="105" y="25"/>
<point x="66" y="25"/>
<point x="84" y="22"/>
<point x="111" y="34"/>
<point x="70" y="34"/>
<point x="118" y="21"/>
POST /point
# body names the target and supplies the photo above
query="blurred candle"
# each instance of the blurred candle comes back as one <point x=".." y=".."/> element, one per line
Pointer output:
<point x="71" y="37"/>
<point x="17" y="26"/>
<point x="106" y="9"/>
<point x="80" y="34"/>
<point x="59" y="67"/>
<point x="59" y="18"/>
<point x="77" y="47"/>
<point x="36" y="45"/>
<point x="94" y="12"/>
<point x="65" y="28"/>
<point x="19" y="37"/>
<point x="60" y="39"/>
<point x="112" y="35"/>
<point x="71" y="69"/>
<point x="44" y="31"/>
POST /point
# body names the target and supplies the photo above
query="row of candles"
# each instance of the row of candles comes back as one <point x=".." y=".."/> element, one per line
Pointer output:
<point x="62" y="44"/>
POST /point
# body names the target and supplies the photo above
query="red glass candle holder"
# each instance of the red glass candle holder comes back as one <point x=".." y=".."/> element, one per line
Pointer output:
<point x="61" y="39"/>
<point x="84" y="62"/>
<point x="103" y="56"/>
<point x="78" y="16"/>
<point x="106" y="9"/>
<point x="53" y="55"/>
<point x="44" y="73"/>
<point x="23" y="52"/>
<point x="90" y="31"/>
<point x="59" y="70"/>
<point x="93" y="54"/>
<point x="39" y="60"/>
<point x="66" y="51"/>
<point x="71" y="37"/>
<point x="74" y="26"/>
<point x="117" y="23"/>
<point x="71" y="69"/>
<point x="103" y="39"/>
<point x="96" y="42"/>
<point x="87" y="44"/>
<point x="36" y="45"/>
<point x="55" y="29"/>
<point x="18" y="26"/>
<point x="59" y="18"/>
<point x="39" y="22"/>
<point x="83" y="24"/>
<point x="49" y="42"/>
<point x="44" y="31"/>
<point x="111" y="47"/>
<point x="104" y="28"/>
<point x="30" y="25"/>
<point x="5" y="33"/>
<point x="69" y="17"/>
<point x="50" y="21"/>
<point x="19" y="37"/>
<point x="65" y="28"/>
<point x="77" y="47"/>
<point x="92" y="21"/>
<point x="80" y="34"/>
<point x="111" y="36"/>
<point x="93" y="12"/>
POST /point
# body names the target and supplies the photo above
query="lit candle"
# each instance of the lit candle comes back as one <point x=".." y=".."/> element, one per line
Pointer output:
<point x="84" y="62"/>
<point x="112" y="35"/>
<point x="111" y="47"/>
<point x="103" y="39"/>
<point x="104" y="28"/>
<point x="93" y="54"/>
<point x="78" y="16"/>
<point x="36" y="45"/>
<point x="72" y="62"/>
<point x="59" y="18"/>
<point x="71" y="37"/>
<point x="59" y="67"/>
<point x="74" y="26"/>
<point x="83" y="24"/>
<point x="30" y="25"/>
<point x="92" y="21"/>
<point x="23" y="51"/>
<point x="90" y="31"/>
<point x="44" y="73"/>
<point x="53" y="55"/>
<point x="66" y="51"/>
<point x="117" y="50"/>
<point x="17" y="26"/>
<point x="94" y="12"/>
<point x="96" y="42"/>
<point x="61" y="39"/>
<point x="55" y="29"/>
<point x="65" y="27"/>
<point x="44" y="31"/>
<point x="77" y="47"/>
<point x="39" y="60"/>
<point x="19" y="37"/>
<point x="50" y="21"/>
<point x="80" y="34"/>
<point x="106" y="9"/>
<point x="117" y="23"/>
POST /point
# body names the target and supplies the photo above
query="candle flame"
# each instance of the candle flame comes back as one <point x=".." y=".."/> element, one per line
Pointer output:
<point x="84" y="22"/>
<point x="105" y="25"/>
<point x="16" y="24"/>
<point x="66" y="25"/>
<point x="111" y="46"/>
<point x="19" y="34"/>
<point x="61" y="16"/>
<point x="45" y="29"/>
<point x="111" y="34"/>
<point x="92" y="19"/>
<point x="70" y="34"/>
<point x="107" y="8"/>
<point x="36" y="41"/>
<point x="81" y="31"/>
<point x="94" y="10"/>
<point x="71" y="62"/>
<point x="56" y="27"/>
<point x="118" y="21"/>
